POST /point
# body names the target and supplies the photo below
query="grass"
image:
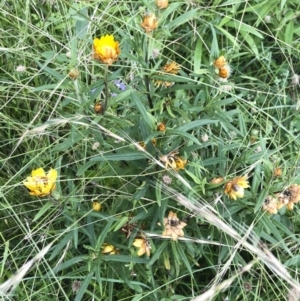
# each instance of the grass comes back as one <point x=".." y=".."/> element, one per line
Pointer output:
<point x="53" y="247"/>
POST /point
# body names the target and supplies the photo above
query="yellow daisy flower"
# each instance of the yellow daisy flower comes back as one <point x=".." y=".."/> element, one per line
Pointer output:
<point x="40" y="183"/>
<point x="235" y="187"/>
<point x="106" y="49"/>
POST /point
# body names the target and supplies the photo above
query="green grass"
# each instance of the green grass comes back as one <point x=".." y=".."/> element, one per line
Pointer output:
<point x="231" y="250"/>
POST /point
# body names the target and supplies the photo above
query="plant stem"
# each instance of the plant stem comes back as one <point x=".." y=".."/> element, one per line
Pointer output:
<point x="146" y="77"/>
<point x="106" y="89"/>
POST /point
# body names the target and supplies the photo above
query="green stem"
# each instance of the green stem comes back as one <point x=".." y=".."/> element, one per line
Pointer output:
<point x="146" y="77"/>
<point x="106" y="89"/>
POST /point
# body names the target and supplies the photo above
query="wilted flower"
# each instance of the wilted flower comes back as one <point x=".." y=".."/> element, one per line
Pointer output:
<point x="268" y="19"/>
<point x="227" y="88"/>
<point x="76" y="286"/>
<point x="277" y="172"/>
<point x="170" y="68"/>
<point x="247" y="286"/>
<point x="173" y="161"/>
<point x="149" y="22"/>
<point x="21" y="69"/>
<point x="143" y="145"/>
<point x="217" y="180"/>
<point x="109" y="249"/>
<point x="220" y="62"/>
<point x="155" y="53"/>
<point x="161" y="127"/>
<point x="106" y="49"/>
<point x="154" y="142"/>
<point x="258" y="149"/>
<point x="180" y="163"/>
<point x="167" y="179"/>
<point x="289" y="197"/>
<point x="235" y="187"/>
<point x="173" y="226"/>
<point x="204" y="138"/>
<point x="224" y="72"/>
<point x="295" y="79"/>
<point x="294" y="294"/>
<point x="270" y="205"/>
<point x="73" y="74"/>
<point x="96" y="206"/>
<point x="40" y="183"/>
<point x="95" y="145"/>
<point x="144" y="246"/>
<point x="128" y="228"/>
<point x="98" y="107"/>
<point x="162" y="3"/>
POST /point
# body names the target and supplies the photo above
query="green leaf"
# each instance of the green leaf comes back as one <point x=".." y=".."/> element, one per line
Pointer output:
<point x="64" y="241"/>
<point x="196" y="123"/>
<point x="289" y="31"/>
<point x="50" y="71"/>
<point x="198" y="56"/>
<point x="120" y="223"/>
<point x="43" y="210"/>
<point x="183" y="134"/>
<point x="130" y="156"/>
<point x="183" y="18"/>
<point x="195" y="179"/>
<point x="83" y="286"/>
<point x="158" y="186"/>
<point x="82" y="23"/>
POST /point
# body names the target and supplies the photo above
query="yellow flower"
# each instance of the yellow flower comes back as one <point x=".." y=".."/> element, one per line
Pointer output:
<point x="149" y="22"/>
<point x="106" y="49"/>
<point x="173" y="226"/>
<point x="109" y="249"/>
<point x="96" y="206"/>
<point x="144" y="246"/>
<point x="170" y="68"/>
<point x="162" y="3"/>
<point x="40" y="183"/>
<point x="270" y="205"/>
<point x="235" y="187"/>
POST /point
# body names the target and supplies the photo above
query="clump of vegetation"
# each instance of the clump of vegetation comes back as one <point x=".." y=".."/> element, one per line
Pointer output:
<point x="150" y="150"/>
